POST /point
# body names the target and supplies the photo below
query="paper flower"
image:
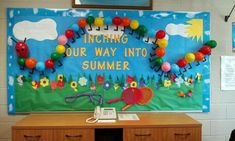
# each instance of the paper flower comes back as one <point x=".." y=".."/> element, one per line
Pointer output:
<point x="82" y="81"/>
<point x="190" y="80"/>
<point x="181" y="94"/>
<point x="116" y="86"/>
<point x="100" y="79"/>
<point x="107" y="85"/>
<point x="133" y="84"/>
<point x="44" y="82"/>
<point x="129" y="79"/>
<point x="53" y="85"/>
<point x="60" y="77"/>
<point x="198" y="76"/>
<point x="142" y="83"/>
<point x="187" y="80"/>
<point x="93" y="87"/>
<point x="167" y="83"/>
<point x="20" y="80"/>
<point x="60" y="84"/>
<point x="35" y="85"/>
<point x="124" y="86"/>
<point x="190" y="93"/>
<point x="179" y="81"/>
<point x="173" y="77"/>
<point x="74" y="85"/>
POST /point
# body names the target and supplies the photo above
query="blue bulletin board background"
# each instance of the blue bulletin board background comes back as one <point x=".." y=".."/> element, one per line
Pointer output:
<point x="117" y="3"/>
<point x="186" y="32"/>
<point x="233" y="35"/>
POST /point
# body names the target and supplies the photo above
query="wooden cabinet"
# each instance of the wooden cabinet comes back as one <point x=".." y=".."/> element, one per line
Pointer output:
<point x="162" y="134"/>
<point x="145" y="134"/>
<point x="74" y="134"/>
<point x="184" y="134"/>
<point x="72" y="127"/>
<point x="32" y="135"/>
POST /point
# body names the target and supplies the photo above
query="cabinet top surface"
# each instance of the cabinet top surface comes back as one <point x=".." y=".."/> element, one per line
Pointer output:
<point x="79" y="120"/>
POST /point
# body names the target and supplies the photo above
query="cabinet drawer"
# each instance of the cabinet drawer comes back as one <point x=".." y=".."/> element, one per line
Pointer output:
<point x="74" y="134"/>
<point x="144" y="134"/>
<point x="32" y="135"/>
<point x="184" y="134"/>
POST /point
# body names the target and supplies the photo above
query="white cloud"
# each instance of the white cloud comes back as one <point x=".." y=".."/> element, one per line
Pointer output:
<point x="64" y="14"/>
<point x="35" y="11"/>
<point x="55" y="10"/>
<point x="41" y="30"/>
<point x="206" y="66"/>
<point x="207" y="81"/>
<point x="164" y="14"/>
<point x="11" y="80"/>
<point x="191" y="14"/>
<point x="204" y="107"/>
<point x="207" y="99"/>
<point x="75" y="13"/>
<point x="10" y="107"/>
<point x="207" y="32"/>
<point x="101" y="14"/>
<point x="141" y="13"/>
<point x="11" y="14"/>
<point x="9" y="41"/>
<point x="158" y="16"/>
<point x="177" y="29"/>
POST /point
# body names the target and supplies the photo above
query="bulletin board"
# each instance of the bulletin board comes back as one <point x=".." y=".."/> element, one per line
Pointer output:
<point x="76" y="59"/>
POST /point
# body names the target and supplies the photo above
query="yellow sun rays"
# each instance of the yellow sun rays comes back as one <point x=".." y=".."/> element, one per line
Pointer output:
<point x="195" y="29"/>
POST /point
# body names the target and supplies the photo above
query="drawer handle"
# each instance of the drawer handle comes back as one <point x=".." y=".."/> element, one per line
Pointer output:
<point x="145" y="135"/>
<point x="73" y="136"/>
<point x="36" y="137"/>
<point x="186" y="134"/>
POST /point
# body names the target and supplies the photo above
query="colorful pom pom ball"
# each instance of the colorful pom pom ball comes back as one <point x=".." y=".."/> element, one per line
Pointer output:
<point x="99" y="22"/>
<point x="60" y="49"/>
<point x="160" y="34"/>
<point x="30" y="63"/>
<point x="166" y="67"/>
<point x="162" y="43"/>
<point x="182" y="63"/>
<point x="189" y="57"/>
<point x="134" y="24"/>
<point x="199" y="56"/>
<point x="62" y="39"/>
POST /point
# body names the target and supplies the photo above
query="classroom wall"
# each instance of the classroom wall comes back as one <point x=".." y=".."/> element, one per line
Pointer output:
<point x="217" y="124"/>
